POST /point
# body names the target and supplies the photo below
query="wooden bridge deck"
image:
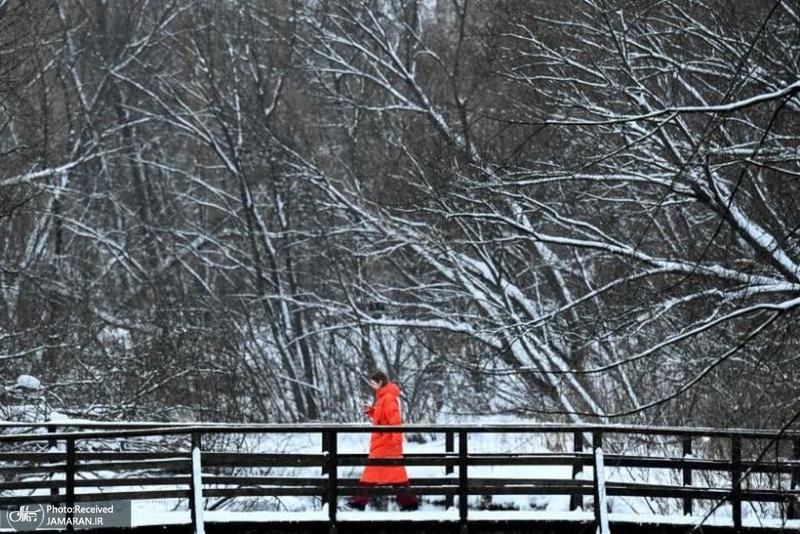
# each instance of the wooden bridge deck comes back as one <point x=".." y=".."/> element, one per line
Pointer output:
<point x="195" y="471"/>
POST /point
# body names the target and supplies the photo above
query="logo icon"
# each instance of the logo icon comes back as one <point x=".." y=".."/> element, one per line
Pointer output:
<point x="27" y="517"/>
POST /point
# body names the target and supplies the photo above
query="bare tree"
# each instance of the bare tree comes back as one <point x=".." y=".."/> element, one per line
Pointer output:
<point x="572" y="267"/>
<point x="233" y="211"/>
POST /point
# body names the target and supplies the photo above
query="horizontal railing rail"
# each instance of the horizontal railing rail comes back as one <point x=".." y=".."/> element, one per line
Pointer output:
<point x="77" y="474"/>
<point x="116" y="429"/>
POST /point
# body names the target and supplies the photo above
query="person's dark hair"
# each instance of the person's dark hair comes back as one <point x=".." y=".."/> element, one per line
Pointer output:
<point x="380" y="377"/>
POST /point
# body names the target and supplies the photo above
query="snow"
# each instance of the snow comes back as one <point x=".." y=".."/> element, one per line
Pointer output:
<point x="197" y="489"/>
<point x="58" y="417"/>
<point x="602" y="528"/>
<point x="28" y="382"/>
<point x="450" y="515"/>
<point x="116" y="336"/>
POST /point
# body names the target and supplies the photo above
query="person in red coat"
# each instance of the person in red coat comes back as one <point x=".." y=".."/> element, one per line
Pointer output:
<point x="385" y="411"/>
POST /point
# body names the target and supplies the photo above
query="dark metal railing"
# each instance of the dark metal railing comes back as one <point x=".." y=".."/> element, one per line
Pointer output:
<point x="190" y="472"/>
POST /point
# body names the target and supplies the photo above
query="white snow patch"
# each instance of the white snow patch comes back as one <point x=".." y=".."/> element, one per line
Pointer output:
<point x="28" y="382"/>
<point x="116" y="336"/>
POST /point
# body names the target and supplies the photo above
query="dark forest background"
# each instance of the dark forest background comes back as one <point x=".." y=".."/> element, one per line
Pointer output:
<point x="234" y="210"/>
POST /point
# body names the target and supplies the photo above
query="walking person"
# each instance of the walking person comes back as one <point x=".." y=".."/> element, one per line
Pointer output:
<point x="385" y="411"/>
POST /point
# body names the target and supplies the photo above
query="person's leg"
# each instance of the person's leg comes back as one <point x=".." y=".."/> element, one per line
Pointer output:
<point x="407" y="500"/>
<point x="359" y="501"/>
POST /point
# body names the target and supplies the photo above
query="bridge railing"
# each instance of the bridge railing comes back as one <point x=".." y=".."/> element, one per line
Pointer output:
<point x="29" y="463"/>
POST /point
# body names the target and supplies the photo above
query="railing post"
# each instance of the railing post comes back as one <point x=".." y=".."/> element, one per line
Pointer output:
<point x="576" y="499"/>
<point x="325" y="450"/>
<point x="70" y="482"/>
<point x="794" y="505"/>
<point x="52" y="444"/>
<point x="687" y="473"/>
<point x="736" y="481"/>
<point x="463" y="492"/>
<point x="333" y="493"/>
<point x="196" y="486"/>
<point x="449" y="447"/>
<point x="600" y="507"/>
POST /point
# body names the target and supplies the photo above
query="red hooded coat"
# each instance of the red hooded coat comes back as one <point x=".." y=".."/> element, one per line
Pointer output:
<point x="385" y="411"/>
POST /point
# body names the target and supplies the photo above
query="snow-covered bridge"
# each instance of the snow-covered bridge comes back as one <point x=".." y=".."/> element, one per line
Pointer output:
<point x="700" y="476"/>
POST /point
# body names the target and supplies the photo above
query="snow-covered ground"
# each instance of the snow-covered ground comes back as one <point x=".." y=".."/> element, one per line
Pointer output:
<point x="523" y="507"/>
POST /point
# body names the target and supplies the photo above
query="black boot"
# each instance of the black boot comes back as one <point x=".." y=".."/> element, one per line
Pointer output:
<point x="356" y="504"/>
